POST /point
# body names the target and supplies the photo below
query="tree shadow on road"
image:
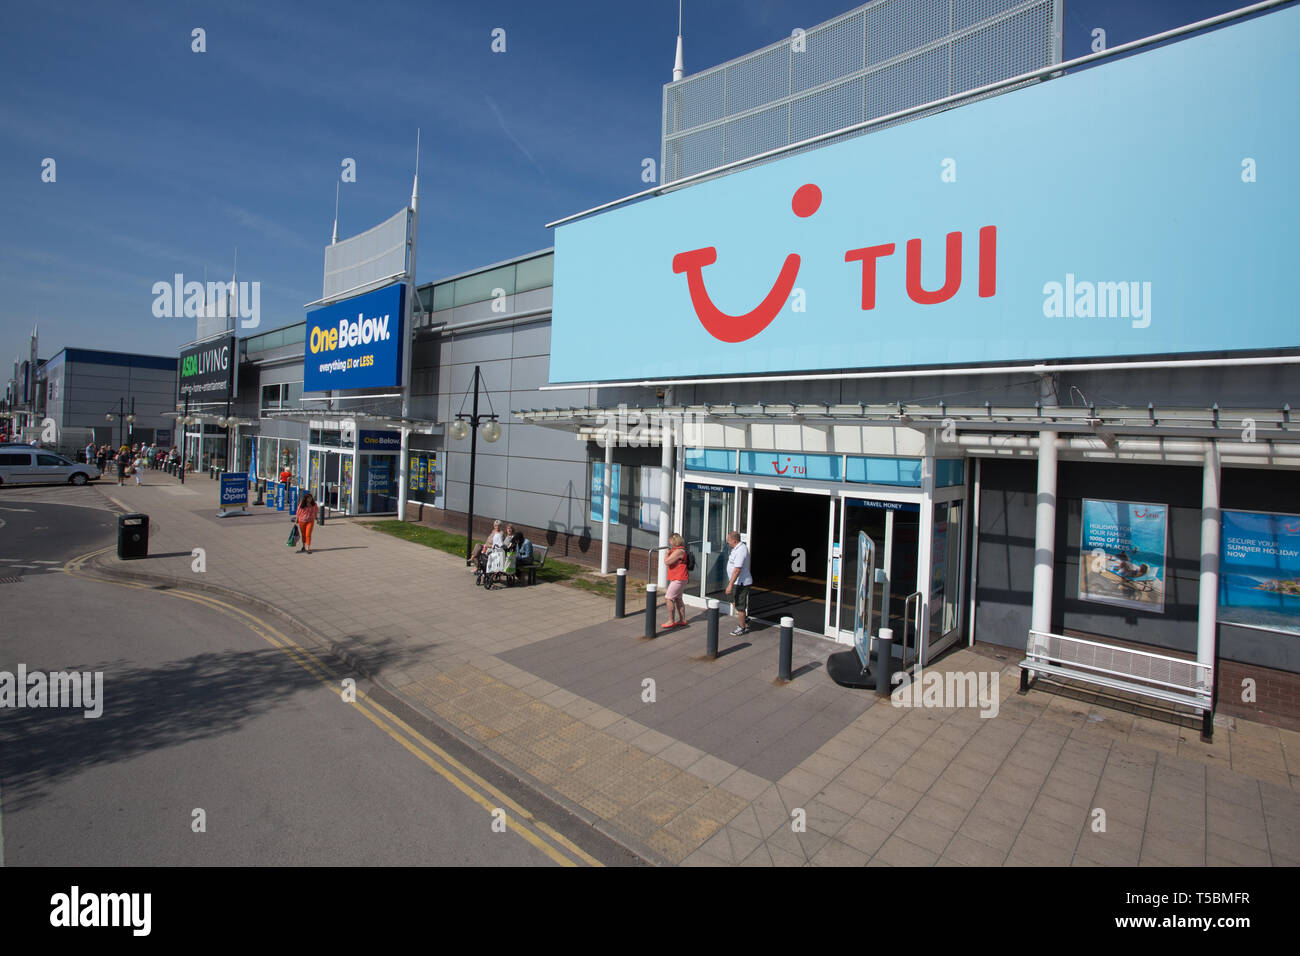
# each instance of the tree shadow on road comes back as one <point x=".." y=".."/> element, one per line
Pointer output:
<point x="151" y="708"/>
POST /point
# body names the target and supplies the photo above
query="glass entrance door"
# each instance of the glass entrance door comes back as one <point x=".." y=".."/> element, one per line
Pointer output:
<point x="895" y="527"/>
<point x="708" y="513"/>
<point x="330" y="479"/>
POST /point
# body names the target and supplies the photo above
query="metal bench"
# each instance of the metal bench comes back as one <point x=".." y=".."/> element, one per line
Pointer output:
<point x="529" y="571"/>
<point x="1173" y="680"/>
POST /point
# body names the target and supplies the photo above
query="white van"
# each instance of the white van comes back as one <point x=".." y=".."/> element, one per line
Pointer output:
<point x="25" y="465"/>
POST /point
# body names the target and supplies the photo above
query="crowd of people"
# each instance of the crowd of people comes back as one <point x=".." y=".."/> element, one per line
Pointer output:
<point x="503" y="553"/>
<point x="132" y="460"/>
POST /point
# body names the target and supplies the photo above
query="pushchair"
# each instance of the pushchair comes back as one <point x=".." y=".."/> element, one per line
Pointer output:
<point x="499" y="567"/>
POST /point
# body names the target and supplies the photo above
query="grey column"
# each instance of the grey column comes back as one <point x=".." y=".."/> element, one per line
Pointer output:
<point x="1211" y="529"/>
<point x="1044" y="533"/>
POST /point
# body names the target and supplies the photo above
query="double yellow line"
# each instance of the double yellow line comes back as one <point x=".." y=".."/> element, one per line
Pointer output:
<point x="545" y="838"/>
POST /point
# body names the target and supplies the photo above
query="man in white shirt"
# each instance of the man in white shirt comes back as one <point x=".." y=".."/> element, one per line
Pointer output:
<point x="739" y="579"/>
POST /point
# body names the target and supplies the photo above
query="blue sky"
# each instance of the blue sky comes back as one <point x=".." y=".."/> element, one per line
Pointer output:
<point x="167" y="159"/>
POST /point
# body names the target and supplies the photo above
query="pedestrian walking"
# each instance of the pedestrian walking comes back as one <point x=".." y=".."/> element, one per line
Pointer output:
<point x="739" y="580"/>
<point x="137" y="466"/>
<point x="306" y="518"/>
<point x="678" y="571"/>
<point x="123" y="462"/>
<point x="90" y="453"/>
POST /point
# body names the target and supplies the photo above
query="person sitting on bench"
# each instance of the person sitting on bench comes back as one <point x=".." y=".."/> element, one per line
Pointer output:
<point x="523" y="552"/>
<point x="494" y="540"/>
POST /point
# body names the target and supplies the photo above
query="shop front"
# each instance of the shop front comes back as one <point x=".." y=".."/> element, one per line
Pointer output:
<point x="205" y="446"/>
<point x="353" y="471"/>
<point x="801" y="515"/>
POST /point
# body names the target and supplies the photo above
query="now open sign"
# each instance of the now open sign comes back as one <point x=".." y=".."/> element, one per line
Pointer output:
<point x="234" y="488"/>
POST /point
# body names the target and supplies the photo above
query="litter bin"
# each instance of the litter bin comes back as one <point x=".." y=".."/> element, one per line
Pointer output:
<point x="132" y="536"/>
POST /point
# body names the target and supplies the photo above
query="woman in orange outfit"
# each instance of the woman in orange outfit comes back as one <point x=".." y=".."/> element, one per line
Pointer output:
<point x="306" y="518"/>
<point x="678" y="573"/>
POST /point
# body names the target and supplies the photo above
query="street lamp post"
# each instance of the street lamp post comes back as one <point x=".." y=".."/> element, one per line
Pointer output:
<point x="461" y="427"/>
<point x="185" y="420"/>
<point x="123" y="416"/>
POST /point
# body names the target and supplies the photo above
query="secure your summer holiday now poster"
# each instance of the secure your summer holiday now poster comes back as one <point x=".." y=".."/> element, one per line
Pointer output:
<point x="1259" y="574"/>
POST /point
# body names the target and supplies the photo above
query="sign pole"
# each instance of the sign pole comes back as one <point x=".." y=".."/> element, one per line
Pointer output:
<point x="408" y="343"/>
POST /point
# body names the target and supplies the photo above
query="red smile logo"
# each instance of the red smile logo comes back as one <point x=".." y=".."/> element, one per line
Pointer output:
<point x="737" y="328"/>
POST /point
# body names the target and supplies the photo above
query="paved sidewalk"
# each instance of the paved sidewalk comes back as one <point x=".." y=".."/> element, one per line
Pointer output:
<point x="712" y="762"/>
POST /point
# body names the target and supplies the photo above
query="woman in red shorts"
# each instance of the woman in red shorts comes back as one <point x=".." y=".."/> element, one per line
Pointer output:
<point x="677" y="574"/>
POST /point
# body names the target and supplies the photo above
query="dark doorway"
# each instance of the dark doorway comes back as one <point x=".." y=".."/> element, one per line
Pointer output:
<point x="788" y="558"/>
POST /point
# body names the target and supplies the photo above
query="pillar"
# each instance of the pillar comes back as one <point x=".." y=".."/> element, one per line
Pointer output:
<point x="1044" y="533"/>
<point x="1211" y="528"/>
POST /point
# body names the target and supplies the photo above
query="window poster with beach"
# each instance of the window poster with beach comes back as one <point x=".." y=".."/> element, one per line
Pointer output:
<point x="1122" y="554"/>
<point x="1259" y="571"/>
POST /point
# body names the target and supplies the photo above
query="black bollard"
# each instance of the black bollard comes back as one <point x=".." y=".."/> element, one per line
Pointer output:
<point x="620" y="594"/>
<point x="884" y="661"/>
<point x="651" y="602"/>
<point x="787" y="648"/>
<point x="711" y="636"/>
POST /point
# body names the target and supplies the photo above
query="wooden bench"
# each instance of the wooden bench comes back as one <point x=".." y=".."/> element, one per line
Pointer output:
<point x="529" y="571"/>
<point x="1173" y="680"/>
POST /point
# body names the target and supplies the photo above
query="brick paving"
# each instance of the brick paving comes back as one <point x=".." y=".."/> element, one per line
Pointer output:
<point x="724" y="766"/>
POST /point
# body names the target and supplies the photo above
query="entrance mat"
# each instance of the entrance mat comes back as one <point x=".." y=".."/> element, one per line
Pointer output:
<point x="771" y="606"/>
<point x="731" y="708"/>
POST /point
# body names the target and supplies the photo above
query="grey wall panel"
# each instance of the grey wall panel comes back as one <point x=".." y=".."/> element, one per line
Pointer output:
<point x="281" y="374"/>
<point x="537" y="441"/>
<point x="494" y="377"/>
<point x="533" y="338"/>
<point x="547" y="475"/>
<point x="477" y="347"/>
<point x="564" y="514"/>
<point x="528" y="374"/>
<point x="488" y="502"/>
<point x="490" y="470"/>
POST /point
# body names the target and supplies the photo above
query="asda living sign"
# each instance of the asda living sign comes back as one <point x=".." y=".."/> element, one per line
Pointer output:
<point x="207" y="370"/>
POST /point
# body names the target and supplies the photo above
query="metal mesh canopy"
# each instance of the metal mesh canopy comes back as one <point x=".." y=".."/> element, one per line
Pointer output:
<point x="882" y="57"/>
<point x="368" y="258"/>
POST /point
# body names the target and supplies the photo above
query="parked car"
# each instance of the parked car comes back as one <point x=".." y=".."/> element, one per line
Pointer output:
<point x="26" y="465"/>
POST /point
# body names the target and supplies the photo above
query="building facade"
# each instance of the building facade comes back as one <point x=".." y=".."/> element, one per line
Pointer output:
<point x="106" y="397"/>
<point x="1017" y="410"/>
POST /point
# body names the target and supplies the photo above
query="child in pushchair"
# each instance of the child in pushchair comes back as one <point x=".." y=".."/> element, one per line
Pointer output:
<point x="499" y="567"/>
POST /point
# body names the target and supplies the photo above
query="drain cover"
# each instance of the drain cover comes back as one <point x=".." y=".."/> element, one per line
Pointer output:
<point x="11" y="579"/>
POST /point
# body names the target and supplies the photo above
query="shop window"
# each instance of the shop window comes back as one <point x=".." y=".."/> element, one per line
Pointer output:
<point x="598" y="492"/>
<point x="535" y="273"/>
<point x="711" y="459"/>
<point x="479" y="288"/>
<point x="649" y="494"/>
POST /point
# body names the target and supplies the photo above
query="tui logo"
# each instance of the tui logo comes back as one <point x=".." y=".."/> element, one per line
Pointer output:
<point x="806" y="201"/>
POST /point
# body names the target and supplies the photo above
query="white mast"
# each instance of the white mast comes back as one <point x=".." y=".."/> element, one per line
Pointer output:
<point x="679" y="65"/>
<point x="335" y="238"/>
<point x="408" y="342"/>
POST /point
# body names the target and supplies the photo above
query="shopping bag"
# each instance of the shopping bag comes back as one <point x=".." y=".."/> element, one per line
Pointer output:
<point x="293" y="535"/>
